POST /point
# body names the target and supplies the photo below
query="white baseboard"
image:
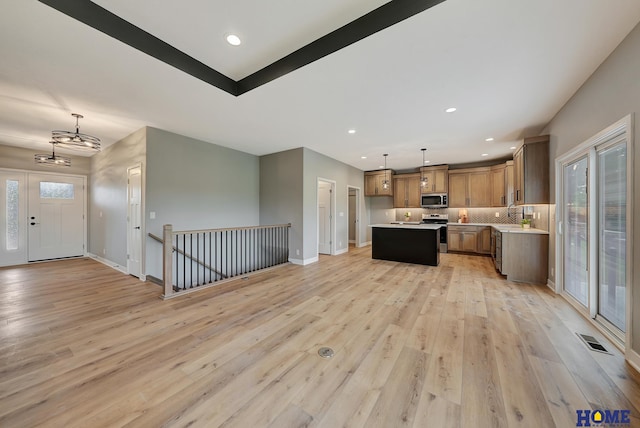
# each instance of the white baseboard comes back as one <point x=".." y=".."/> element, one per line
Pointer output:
<point x="352" y="241"/>
<point x="364" y="244"/>
<point x="304" y="262"/>
<point x="633" y="358"/>
<point x="344" y="250"/>
<point x="551" y="285"/>
<point x="109" y="263"/>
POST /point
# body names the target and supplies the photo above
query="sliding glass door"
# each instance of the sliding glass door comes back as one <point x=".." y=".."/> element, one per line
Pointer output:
<point x="576" y="220"/>
<point x="612" y="222"/>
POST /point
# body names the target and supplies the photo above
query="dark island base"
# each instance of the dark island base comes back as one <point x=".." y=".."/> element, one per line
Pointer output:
<point x="419" y="246"/>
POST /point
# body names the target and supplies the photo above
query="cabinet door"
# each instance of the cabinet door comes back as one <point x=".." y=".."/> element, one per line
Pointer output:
<point x="479" y="189"/>
<point x="412" y="188"/>
<point x="431" y="177"/>
<point x="399" y="193"/>
<point x="508" y="172"/>
<point x="484" y="241"/>
<point x="498" y="198"/>
<point x="370" y="183"/>
<point x="469" y="242"/>
<point x="440" y="181"/>
<point x="454" y="241"/>
<point x="458" y="190"/>
<point x="518" y="176"/>
<point x="381" y="178"/>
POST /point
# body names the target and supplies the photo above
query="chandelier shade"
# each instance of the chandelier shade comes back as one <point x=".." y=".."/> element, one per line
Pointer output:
<point x="424" y="180"/>
<point x="76" y="140"/>
<point x="385" y="183"/>
<point x="52" y="159"/>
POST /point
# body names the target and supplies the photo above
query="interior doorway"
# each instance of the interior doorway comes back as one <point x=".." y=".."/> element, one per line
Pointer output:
<point x="326" y="216"/>
<point x="354" y="215"/>
<point x="135" y="220"/>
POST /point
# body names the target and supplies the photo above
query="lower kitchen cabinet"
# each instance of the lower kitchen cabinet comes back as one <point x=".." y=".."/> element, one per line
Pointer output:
<point x="522" y="257"/>
<point x="469" y="239"/>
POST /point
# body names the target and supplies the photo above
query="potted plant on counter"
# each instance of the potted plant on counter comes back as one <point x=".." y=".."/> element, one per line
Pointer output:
<point x="526" y="223"/>
<point x="407" y="216"/>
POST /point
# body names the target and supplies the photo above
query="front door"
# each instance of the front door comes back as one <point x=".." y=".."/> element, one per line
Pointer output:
<point x="56" y="216"/>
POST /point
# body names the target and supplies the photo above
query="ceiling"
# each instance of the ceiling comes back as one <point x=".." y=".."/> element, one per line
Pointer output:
<point x="507" y="67"/>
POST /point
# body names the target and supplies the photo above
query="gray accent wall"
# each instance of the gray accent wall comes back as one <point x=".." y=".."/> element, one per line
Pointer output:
<point x="192" y="184"/>
<point x="317" y="166"/>
<point x="108" y="196"/>
<point x="19" y="158"/>
<point x="611" y="93"/>
<point x="281" y="195"/>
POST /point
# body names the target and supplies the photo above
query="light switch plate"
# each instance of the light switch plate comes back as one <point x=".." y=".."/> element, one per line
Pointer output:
<point x="152" y="215"/>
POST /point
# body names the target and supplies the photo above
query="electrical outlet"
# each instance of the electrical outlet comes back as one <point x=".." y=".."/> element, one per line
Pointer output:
<point x="340" y="244"/>
<point x="552" y="271"/>
<point x="104" y="251"/>
<point x="297" y="252"/>
<point x="497" y="214"/>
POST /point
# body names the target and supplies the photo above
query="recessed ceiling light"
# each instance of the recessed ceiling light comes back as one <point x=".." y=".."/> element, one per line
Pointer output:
<point x="512" y="147"/>
<point x="363" y="157"/>
<point x="485" y="154"/>
<point x="489" y="139"/>
<point x="233" y="40"/>
<point x="351" y="131"/>
<point x="451" y="109"/>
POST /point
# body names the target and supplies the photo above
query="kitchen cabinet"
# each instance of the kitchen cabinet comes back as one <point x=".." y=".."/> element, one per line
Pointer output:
<point x="406" y="191"/>
<point x="531" y="171"/>
<point x="469" y="239"/>
<point x="522" y="257"/>
<point x="437" y="179"/>
<point x="498" y="186"/>
<point x="470" y="187"/>
<point x="373" y="181"/>
<point x="508" y="175"/>
<point x="462" y="238"/>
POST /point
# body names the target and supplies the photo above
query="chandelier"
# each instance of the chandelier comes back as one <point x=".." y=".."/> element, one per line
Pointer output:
<point x="75" y="140"/>
<point x="52" y="159"/>
<point x="385" y="182"/>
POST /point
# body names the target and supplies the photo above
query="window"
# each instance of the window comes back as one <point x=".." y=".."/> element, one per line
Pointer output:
<point x="50" y="190"/>
<point x="13" y="215"/>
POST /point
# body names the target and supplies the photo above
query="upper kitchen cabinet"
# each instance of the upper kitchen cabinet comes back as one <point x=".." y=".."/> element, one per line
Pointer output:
<point x="437" y="179"/>
<point x="470" y="187"/>
<point x="373" y="181"/>
<point x="502" y="184"/>
<point x="406" y="191"/>
<point x="531" y="171"/>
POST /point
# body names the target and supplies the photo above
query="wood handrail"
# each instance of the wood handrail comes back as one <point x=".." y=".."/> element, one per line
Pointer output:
<point x="201" y="263"/>
<point x="183" y="232"/>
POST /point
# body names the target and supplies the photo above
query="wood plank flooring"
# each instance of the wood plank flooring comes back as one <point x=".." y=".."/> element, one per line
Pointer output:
<point x="82" y="345"/>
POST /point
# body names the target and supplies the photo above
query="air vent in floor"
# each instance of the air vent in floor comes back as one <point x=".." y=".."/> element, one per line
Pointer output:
<point x="592" y="343"/>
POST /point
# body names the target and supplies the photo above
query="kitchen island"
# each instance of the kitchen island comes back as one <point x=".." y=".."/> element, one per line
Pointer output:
<point x="408" y="243"/>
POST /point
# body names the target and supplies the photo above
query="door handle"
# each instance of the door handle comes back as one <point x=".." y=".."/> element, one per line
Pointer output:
<point x="137" y="227"/>
<point x="34" y="223"/>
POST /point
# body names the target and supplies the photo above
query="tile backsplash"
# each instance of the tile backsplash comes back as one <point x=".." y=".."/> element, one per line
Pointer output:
<point x="539" y="215"/>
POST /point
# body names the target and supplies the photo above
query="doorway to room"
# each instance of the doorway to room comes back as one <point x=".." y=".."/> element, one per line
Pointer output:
<point x="354" y="215"/>
<point x="134" y="223"/>
<point x="326" y="216"/>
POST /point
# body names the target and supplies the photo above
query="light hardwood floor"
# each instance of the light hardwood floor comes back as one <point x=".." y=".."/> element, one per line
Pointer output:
<point x="448" y="346"/>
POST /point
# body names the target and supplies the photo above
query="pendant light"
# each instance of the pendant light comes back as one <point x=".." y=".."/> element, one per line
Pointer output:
<point x="76" y="140"/>
<point x="52" y="159"/>
<point x="423" y="180"/>
<point x="385" y="182"/>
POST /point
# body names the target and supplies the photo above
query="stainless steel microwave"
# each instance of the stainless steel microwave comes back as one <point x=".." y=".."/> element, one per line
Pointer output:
<point x="434" y="200"/>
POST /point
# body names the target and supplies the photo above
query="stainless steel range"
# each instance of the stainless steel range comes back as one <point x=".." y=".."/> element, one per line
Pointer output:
<point x="442" y="219"/>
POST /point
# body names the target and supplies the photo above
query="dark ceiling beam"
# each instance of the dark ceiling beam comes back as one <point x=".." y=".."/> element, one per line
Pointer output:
<point x="383" y="17"/>
<point x="107" y="22"/>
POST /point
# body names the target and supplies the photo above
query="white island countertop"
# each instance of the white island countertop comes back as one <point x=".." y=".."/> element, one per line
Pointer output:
<point x="419" y="226"/>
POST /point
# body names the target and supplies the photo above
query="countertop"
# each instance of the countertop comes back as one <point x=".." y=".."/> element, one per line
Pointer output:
<point x="408" y="226"/>
<point x="504" y="228"/>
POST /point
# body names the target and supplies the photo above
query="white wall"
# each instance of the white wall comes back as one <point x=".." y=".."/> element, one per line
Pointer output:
<point x="610" y="94"/>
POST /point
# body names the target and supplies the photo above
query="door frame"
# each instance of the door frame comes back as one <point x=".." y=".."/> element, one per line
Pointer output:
<point x="588" y="147"/>
<point x="85" y="252"/>
<point x="142" y="276"/>
<point x="357" y="209"/>
<point x="332" y="212"/>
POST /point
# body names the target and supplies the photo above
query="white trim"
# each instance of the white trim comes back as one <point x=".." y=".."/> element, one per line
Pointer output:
<point x="552" y="285"/>
<point x="304" y="262"/>
<point x="352" y="241"/>
<point x="633" y="358"/>
<point x="109" y="263"/>
<point x="143" y="217"/>
<point x="332" y="223"/>
<point x="364" y="244"/>
<point x="342" y="251"/>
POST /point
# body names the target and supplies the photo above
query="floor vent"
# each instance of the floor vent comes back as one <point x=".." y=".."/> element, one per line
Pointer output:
<point x="592" y="343"/>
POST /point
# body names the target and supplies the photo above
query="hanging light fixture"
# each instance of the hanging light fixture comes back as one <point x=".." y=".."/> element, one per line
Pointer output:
<point x="423" y="179"/>
<point x="76" y="140"/>
<point x="385" y="182"/>
<point x="52" y="159"/>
